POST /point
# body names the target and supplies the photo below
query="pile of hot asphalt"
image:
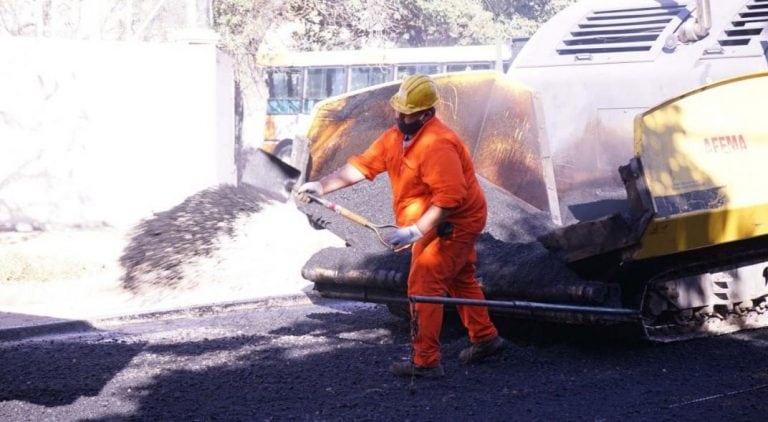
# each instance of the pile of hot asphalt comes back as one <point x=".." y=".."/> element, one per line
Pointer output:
<point x="512" y="263"/>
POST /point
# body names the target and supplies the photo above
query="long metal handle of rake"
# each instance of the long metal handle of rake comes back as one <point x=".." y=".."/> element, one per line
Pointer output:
<point x="338" y="209"/>
<point x="359" y="219"/>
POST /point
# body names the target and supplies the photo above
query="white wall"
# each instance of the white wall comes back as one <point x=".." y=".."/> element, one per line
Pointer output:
<point x="95" y="133"/>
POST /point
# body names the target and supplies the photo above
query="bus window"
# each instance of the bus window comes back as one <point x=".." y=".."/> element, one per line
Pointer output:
<point x="428" y="69"/>
<point x="284" y="91"/>
<point x="459" y="67"/>
<point x="322" y="83"/>
<point x="365" y="76"/>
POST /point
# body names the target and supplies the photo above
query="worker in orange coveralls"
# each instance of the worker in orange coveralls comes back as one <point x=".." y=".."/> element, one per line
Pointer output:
<point x="439" y="208"/>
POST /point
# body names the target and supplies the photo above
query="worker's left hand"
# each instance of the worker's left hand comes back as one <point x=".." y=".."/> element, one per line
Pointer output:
<point x="404" y="236"/>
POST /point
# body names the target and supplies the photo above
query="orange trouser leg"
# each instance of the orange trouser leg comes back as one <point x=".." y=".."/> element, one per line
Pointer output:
<point x="475" y="318"/>
<point x="440" y="266"/>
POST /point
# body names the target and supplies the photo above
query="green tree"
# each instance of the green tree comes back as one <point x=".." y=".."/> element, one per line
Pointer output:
<point x="327" y="24"/>
<point x="450" y="22"/>
<point x="323" y="24"/>
<point x="242" y="25"/>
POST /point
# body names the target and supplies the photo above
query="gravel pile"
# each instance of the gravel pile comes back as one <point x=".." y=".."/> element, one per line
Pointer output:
<point x="227" y="236"/>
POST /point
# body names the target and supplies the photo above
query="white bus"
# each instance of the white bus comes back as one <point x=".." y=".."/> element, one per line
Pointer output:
<point x="297" y="81"/>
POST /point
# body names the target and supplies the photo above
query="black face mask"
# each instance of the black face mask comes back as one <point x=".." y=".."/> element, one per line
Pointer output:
<point x="409" y="128"/>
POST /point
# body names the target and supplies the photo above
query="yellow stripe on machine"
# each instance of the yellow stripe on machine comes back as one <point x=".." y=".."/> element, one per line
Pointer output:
<point x="704" y="156"/>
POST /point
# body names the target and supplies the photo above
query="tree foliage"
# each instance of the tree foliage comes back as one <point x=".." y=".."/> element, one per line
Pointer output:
<point x="242" y="25"/>
<point x="410" y="23"/>
<point x="344" y="24"/>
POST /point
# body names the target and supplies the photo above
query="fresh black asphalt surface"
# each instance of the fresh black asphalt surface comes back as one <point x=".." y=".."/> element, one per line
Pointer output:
<point x="328" y="361"/>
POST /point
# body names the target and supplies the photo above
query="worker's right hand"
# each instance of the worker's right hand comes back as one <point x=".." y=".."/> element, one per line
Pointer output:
<point x="312" y="188"/>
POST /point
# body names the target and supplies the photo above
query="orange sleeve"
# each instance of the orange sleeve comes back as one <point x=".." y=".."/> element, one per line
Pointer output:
<point x="444" y="174"/>
<point x="372" y="161"/>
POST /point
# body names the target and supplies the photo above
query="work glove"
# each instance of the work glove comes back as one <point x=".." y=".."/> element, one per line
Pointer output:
<point x="314" y="188"/>
<point x="404" y="236"/>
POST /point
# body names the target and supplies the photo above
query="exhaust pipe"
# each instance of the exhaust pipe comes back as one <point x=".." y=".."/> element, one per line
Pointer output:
<point x="698" y="28"/>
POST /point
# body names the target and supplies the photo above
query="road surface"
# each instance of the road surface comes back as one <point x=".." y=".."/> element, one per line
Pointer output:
<point x="328" y="361"/>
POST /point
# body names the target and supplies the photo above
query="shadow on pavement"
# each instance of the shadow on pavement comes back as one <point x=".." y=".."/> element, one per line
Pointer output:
<point x="62" y="372"/>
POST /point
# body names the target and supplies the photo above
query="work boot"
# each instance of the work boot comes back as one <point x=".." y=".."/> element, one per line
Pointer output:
<point x="410" y="369"/>
<point x="480" y="351"/>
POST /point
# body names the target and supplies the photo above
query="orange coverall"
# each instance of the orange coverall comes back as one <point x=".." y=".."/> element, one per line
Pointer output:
<point x="435" y="169"/>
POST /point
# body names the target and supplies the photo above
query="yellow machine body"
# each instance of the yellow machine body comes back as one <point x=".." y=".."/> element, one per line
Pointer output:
<point x="705" y="167"/>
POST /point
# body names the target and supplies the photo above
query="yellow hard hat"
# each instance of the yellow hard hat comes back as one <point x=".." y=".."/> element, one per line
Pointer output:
<point x="416" y="93"/>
